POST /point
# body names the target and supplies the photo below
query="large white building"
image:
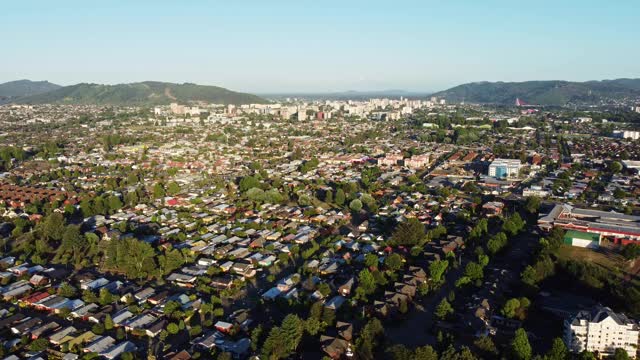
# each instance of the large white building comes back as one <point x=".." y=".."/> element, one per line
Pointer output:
<point x="302" y="113"/>
<point x="601" y="330"/>
<point x="501" y="168"/>
<point x="535" y="190"/>
<point x="627" y="134"/>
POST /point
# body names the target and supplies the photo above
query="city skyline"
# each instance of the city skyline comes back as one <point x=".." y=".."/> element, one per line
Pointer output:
<point x="320" y="47"/>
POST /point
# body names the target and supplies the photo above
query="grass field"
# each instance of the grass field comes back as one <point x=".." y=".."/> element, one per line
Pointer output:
<point x="606" y="258"/>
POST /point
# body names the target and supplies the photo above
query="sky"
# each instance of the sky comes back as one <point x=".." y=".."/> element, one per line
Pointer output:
<point x="281" y="46"/>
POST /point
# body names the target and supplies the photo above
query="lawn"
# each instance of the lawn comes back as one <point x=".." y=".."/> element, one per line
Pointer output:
<point x="603" y="257"/>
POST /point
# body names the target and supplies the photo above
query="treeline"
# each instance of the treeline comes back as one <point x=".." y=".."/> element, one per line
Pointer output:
<point x="595" y="280"/>
<point x="111" y="140"/>
<point x="100" y="205"/>
<point x="8" y="153"/>
<point x="53" y="240"/>
<point x="600" y="281"/>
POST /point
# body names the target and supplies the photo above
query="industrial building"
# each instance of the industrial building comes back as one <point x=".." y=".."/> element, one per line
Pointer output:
<point x="617" y="227"/>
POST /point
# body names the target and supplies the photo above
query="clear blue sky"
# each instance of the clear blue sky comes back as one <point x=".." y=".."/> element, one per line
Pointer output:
<point x="315" y="45"/>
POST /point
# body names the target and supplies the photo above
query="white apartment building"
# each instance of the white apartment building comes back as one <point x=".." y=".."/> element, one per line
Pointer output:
<point x="535" y="191"/>
<point x="601" y="330"/>
<point x="390" y="160"/>
<point x="502" y="168"/>
<point x="302" y="113"/>
<point x="417" y="161"/>
<point x="627" y="134"/>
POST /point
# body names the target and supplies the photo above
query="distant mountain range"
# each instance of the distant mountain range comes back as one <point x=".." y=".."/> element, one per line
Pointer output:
<point x="142" y="94"/>
<point x="149" y="93"/>
<point x="16" y="89"/>
<point x="553" y="92"/>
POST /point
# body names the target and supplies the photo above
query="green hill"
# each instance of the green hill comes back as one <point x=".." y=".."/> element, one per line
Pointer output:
<point x="143" y="94"/>
<point x="20" y="88"/>
<point x="553" y="92"/>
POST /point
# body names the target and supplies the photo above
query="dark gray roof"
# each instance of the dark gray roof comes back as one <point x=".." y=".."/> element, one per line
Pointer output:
<point x="600" y="313"/>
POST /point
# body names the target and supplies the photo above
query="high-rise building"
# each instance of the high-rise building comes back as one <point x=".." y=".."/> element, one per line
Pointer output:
<point x="302" y="113"/>
<point x="601" y="330"/>
<point x="504" y="168"/>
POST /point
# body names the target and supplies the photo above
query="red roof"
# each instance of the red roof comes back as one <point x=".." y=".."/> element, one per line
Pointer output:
<point x="32" y="299"/>
<point x="172" y="202"/>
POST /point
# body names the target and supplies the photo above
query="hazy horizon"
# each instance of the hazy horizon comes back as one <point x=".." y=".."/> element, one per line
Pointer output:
<point x="294" y="47"/>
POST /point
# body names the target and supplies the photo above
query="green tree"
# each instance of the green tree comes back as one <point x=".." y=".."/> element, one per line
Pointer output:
<point x="587" y="355"/>
<point x="510" y="308"/>
<point x="66" y="290"/>
<point x="40" y="344"/>
<point x="437" y="269"/>
<point x="355" y="205"/>
<point x="444" y="309"/>
<point x="528" y="275"/>
<point x="403" y="308"/>
<point x="328" y="316"/>
<point x="399" y="352"/>
<point x="158" y="191"/>
<point x="631" y="251"/>
<point x="255" y="194"/>
<point x="368" y="340"/>
<point x="328" y="196"/>
<point x="309" y="165"/>
<point x="620" y="354"/>
<point x="483" y="260"/>
<point x="256" y="335"/>
<point x="273" y="196"/>
<point x="248" y="182"/>
<point x="108" y="322"/>
<point x="105" y="297"/>
<point x="171" y="260"/>
<point x="558" y="350"/>
<point x="53" y="226"/>
<point x="371" y="260"/>
<point x="75" y="245"/>
<point x="312" y="326"/>
<point x="173" y="328"/>
<point x="520" y="347"/>
<point x="497" y="243"/>
<point x="533" y="204"/>
<point x="173" y="188"/>
<point x="473" y="271"/>
<point x="366" y="281"/>
<point x="120" y="334"/>
<point x="98" y="329"/>
<point x="292" y="330"/>
<point x="114" y="203"/>
<point x="425" y="353"/>
<point x="316" y="310"/>
<point x="615" y="167"/>
<point x="409" y="233"/>
<point x="393" y="262"/>
<point x="132" y="179"/>
<point x="340" y="197"/>
<point x="273" y="347"/>
<point x="486" y="347"/>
